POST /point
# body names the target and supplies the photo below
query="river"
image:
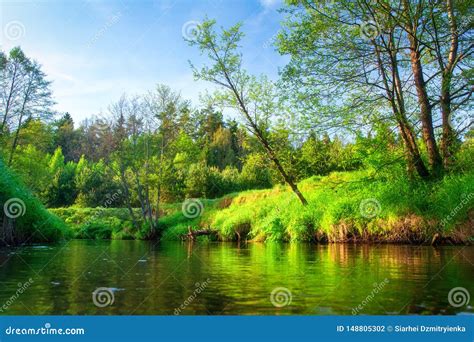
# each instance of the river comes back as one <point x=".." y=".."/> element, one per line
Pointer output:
<point x="142" y="278"/>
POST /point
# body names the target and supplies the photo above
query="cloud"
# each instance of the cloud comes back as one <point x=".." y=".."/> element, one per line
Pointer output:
<point x="267" y="4"/>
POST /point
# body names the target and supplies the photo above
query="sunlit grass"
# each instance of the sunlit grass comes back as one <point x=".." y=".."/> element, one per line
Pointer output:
<point x="343" y="206"/>
<point x="400" y="209"/>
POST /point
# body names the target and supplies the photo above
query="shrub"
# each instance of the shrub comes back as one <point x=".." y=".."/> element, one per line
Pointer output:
<point x="34" y="223"/>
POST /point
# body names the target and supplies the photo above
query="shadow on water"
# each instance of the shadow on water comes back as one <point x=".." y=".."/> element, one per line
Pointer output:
<point x="226" y="278"/>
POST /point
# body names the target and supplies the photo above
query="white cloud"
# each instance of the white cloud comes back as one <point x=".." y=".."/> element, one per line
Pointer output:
<point x="270" y="3"/>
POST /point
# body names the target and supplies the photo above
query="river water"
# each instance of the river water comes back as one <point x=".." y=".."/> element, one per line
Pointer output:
<point x="141" y="278"/>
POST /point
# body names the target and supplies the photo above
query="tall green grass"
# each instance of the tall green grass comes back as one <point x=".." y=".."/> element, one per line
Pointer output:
<point x="34" y="223"/>
<point x="344" y="206"/>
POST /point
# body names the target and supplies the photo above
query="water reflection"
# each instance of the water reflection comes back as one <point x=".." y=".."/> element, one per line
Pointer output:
<point x="159" y="278"/>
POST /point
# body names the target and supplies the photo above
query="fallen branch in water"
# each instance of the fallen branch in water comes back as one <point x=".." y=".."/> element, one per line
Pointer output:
<point x="193" y="233"/>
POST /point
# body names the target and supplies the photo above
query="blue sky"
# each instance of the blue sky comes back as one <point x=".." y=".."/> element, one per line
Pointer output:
<point x="94" y="51"/>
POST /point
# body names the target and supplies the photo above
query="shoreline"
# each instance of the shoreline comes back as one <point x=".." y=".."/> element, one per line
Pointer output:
<point x="112" y="224"/>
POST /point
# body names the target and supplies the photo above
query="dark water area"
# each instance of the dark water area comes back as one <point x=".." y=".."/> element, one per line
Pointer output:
<point x="142" y="278"/>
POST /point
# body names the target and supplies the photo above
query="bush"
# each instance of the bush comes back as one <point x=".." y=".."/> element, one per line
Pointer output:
<point x="34" y="223"/>
<point x="99" y="223"/>
<point x="342" y="206"/>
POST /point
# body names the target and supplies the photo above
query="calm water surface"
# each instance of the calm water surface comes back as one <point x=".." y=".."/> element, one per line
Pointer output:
<point x="226" y="278"/>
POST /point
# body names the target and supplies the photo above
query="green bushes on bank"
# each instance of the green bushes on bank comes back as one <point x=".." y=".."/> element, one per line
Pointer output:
<point x="344" y="206"/>
<point x="98" y="223"/>
<point x="353" y="206"/>
<point x="23" y="218"/>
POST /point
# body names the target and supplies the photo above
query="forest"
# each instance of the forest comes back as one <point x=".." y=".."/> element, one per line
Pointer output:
<point x="366" y="135"/>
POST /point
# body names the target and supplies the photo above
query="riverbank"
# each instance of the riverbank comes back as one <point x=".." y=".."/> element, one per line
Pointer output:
<point x="24" y="219"/>
<point x="343" y="207"/>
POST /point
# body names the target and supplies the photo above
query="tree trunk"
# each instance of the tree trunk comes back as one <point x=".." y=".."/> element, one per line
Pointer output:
<point x="261" y="137"/>
<point x="412" y="149"/>
<point x="127" y="196"/>
<point x="149" y="210"/>
<point x="425" y="111"/>
<point x="9" y="99"/>
<point x="140" y="194"/>
<point x="160" y="175"/>
<point x="7" y="230"/>
<point x="17" y="133"/>
<point x="15" y="140"/>
<point x="426" y="116"/>
<point x="448" y="136"/>
<point x="413" y="157"/>
<point x="280" y="168"/>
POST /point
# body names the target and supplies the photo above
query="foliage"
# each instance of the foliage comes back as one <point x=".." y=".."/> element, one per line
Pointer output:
<point x="336" y="210"/>
<point x="370" y="113"/>
<point x="36" y="224"/>
<point x="408" y="211"/>
<point x="25" y="95"/>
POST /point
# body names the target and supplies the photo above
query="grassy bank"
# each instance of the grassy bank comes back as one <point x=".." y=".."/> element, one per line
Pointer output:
<point x="23" y="218"/>
<point x="342" y="207"/>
